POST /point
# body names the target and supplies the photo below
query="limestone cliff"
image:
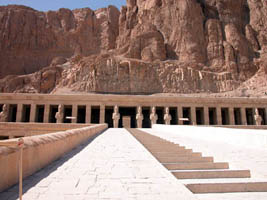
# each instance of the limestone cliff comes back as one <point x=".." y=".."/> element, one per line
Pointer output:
<point x="156" y="46"/>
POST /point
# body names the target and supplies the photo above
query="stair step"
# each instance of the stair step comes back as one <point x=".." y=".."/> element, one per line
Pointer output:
<point x="200" y="174"/>
<point x="174" y="150"/>
<point x="186" y="159"/>
<point x="179" y="154"/>
<point x="234" y="196"/>
<point x="171" y="146"/>
<point x="192" y="166"/>
<point x="227" y="187"/>
<point x="174" y="156"/>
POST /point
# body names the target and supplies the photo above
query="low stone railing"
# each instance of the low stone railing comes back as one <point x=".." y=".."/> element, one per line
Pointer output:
<point x="41" y="150"/>
<point x="15" y="129"/>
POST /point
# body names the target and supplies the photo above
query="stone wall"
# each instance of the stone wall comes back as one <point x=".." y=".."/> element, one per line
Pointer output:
<point x="39" y="151"/>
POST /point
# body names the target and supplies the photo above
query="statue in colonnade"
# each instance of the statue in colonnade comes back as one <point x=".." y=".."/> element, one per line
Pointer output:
<point x="167" y="117"/>
<point x="139" y="117"/>
<point x="116" y="117"/>
<point x="257" y="117"/>
<point x="4" y="114"/>
<point x="153" y="116"/>
<point x="60" y="114"/>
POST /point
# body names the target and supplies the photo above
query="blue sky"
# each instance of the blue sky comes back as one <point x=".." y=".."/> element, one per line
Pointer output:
<point x="45" y="5"/>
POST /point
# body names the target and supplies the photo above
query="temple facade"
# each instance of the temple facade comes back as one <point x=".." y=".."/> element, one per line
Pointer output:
<point x="99" y="108"/>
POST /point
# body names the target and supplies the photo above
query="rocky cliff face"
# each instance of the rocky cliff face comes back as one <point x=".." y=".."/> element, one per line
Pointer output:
<point x="156" y="46"/>
<point x="29" y="40"/>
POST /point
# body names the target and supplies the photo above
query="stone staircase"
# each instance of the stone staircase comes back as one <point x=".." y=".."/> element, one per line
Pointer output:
<point x="201" y="175"/>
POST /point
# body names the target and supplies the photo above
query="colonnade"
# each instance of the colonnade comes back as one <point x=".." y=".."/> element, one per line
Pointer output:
<point x="180" y="114"/>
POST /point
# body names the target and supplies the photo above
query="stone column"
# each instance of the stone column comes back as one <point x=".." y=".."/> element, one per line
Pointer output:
<point x="19" y="113"/>
<point x="206" y="116"/>
<point x="243" y="116"/>
<point x="231" y="116"/>
<point x="88" y="114"/>
<point x="193" y="115"/>
<point x="219" y="115"/>
<point x="180" y="114"/>
<point x="46" y="113"/>
<point x="102" y="114"/>
<point x="74" y="113"/>
<point x="33" y="113"/>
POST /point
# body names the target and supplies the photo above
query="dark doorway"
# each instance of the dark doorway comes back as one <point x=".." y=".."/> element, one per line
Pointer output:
<point x="187" y="114"/>
<point x="12" y="113"/>
<point x="26" y="112"/>
<point x="81" y="114"/>
<point x="160" y="113"/>
<point x="39" y="117"/>
<point x="200" y="116"/>
<point x="212" y="116"/>
<point x="173" y="113"/>
<point x="52" y="113"/>
<point x="128" y="111"/>
<point x="262" y="113"/>
<point x="108" y="116"/>
<point x="250" y="116"/>
<point x="146" y="113"/>
<point x="1" y="107"/>
<point x="237" y="116"/>
<point x="67" y="113"/>
<point x="4" y="137"/>
<point x="95" y="114"/>
<point x="225" y="116"/>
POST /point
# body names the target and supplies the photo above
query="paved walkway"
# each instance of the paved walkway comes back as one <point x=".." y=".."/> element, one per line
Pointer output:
<point x="114" y="165"/>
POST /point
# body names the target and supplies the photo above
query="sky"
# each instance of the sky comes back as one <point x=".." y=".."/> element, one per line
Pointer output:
<point x="45" y="5"/>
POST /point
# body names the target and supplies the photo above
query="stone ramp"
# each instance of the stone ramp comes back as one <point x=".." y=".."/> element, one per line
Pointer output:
<point x="194" y="170"/>
<point x="113" y="165"/>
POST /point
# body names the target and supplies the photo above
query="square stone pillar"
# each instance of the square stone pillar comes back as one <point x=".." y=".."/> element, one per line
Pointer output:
<point x="193" y="116"/>
<point x="46" y="113"/>
<point x="219" y="115"/>
<point x="102" y="114"/>
<point x="243" y="116"/>
<point x="88" y="114"/>
<point x="74" y="113"/>
<point x="19" y="113"/>
<point x="206" y="116"/>
<point x="180" y="114"/>
<point x="33" y="113"/>
<point x="231" y="116"/>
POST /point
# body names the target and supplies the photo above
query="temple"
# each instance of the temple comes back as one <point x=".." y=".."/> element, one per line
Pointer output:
<point x="96" y="108"/>
<point x="110" y="139"/>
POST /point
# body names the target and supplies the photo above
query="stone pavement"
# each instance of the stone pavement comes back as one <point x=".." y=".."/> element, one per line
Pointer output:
<point x="114" y="165"/>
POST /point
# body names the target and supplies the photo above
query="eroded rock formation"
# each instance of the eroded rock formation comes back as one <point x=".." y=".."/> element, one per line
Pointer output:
<point x="31" y="39"/>
<point x="156" y="46"/>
